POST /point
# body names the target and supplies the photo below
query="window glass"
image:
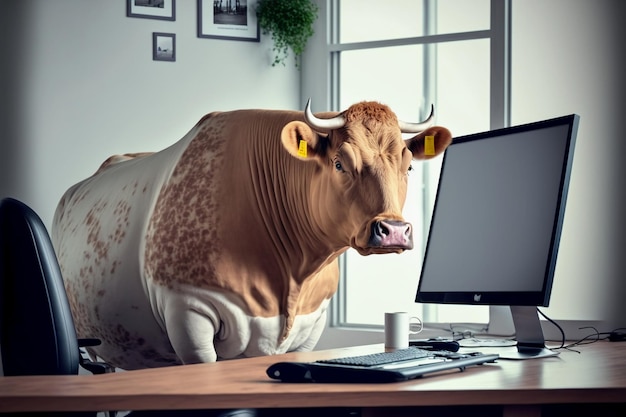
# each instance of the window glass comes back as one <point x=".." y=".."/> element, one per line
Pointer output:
<point x="375" y="20"/>
<point x="463" y="86"/>
<point x="454" y="16"/>
<point x="394" y="76"/>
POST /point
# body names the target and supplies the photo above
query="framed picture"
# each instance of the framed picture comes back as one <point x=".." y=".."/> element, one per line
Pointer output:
<point x="151" y="9"/>
<point x="163" y="46"/>
<point x="228" y="19"/>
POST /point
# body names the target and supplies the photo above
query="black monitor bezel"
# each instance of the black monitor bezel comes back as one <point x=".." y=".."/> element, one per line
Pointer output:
<point x="533" y="298"/>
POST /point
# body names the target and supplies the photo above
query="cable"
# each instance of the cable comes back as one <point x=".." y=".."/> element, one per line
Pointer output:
<point x="556" y="325"/>
<point x="589" y="339"/>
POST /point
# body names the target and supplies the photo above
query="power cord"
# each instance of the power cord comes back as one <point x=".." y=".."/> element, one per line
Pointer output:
<point x="589" y="339"/>
<point x="557" y="326"/>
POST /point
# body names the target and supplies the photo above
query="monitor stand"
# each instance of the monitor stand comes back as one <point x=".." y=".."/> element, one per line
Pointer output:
<point x="529" y="335"/>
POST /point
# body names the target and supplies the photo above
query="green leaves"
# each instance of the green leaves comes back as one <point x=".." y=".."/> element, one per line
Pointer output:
<point x="290" y="23"/>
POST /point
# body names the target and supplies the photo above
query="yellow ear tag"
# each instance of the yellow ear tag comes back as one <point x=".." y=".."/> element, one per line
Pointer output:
<point x="302" y="149"/>
<point x="429" y="145"/>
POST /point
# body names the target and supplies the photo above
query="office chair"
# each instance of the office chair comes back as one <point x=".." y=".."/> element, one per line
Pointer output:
<point x="37" y="333"/>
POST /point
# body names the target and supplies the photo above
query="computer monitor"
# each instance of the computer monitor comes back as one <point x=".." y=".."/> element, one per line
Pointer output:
<point x="496" y="224"/>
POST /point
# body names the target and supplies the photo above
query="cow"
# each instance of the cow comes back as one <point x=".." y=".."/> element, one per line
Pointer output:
<point x="226" y="243"/>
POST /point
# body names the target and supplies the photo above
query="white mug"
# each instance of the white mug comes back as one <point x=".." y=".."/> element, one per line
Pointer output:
<point x="398" y="327"/>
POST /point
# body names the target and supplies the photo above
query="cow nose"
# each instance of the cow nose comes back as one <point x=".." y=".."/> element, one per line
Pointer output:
<point x="391" y="234"/>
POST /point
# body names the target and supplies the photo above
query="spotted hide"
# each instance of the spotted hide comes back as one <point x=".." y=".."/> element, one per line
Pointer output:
<point x="225" y="244"/>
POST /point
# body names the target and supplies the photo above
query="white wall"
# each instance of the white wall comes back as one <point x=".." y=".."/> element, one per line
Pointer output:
<point x="568" y="57"/>
<point x="79" y="84"/>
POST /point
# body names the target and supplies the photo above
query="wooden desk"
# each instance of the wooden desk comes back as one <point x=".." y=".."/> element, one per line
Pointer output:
<point x="597" y="375"/>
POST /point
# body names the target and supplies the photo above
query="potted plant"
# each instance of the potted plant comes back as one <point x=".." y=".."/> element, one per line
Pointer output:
<point x="290" y="23"/>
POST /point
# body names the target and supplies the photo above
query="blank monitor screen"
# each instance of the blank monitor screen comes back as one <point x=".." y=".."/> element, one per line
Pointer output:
<point x="498" y="213"/>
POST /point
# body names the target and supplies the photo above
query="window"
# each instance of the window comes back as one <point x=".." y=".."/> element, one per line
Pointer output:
<point x="409" y="54"/>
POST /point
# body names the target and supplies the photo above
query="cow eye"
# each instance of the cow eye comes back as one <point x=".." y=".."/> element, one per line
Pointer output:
<point x="338" y="166"/>
<point x="408" y="172"/>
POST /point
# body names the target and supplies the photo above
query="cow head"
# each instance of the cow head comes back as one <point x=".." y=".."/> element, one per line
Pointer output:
<point x="359" y="187"/>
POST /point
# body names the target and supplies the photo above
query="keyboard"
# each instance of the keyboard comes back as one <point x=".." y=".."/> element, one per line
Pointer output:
<point x="399" y="365"/>
<point x="380" y="358"/>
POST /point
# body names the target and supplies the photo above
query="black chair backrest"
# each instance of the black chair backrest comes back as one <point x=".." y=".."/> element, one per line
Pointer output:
<point x="37" y="334"/>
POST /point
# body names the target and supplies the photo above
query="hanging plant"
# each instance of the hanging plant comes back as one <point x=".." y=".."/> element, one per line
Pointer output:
<point x="290" y="23"/>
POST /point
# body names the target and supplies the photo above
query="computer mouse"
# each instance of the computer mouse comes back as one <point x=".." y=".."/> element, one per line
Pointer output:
<point x="289" y="372"/>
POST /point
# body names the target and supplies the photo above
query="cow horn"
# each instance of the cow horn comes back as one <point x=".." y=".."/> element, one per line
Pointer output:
<point x="322" y="125"/>
<point x="418" y="127"/>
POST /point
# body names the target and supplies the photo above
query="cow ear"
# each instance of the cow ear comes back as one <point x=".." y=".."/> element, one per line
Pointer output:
<point x="300" y="140"/>
<point x="429" y="143"/>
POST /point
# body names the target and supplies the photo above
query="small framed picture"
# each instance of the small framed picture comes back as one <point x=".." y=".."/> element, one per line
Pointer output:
<point x="151" y="9"/>
<point x="228" y="19"/>
<point x="163" y="46"/>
